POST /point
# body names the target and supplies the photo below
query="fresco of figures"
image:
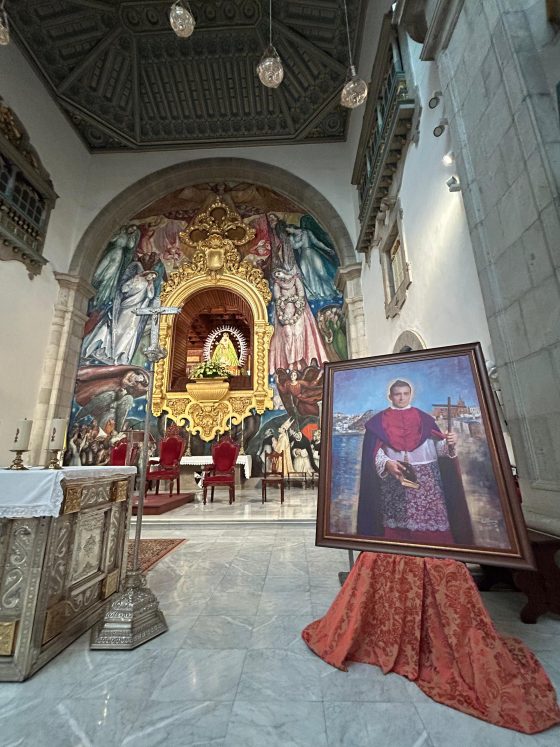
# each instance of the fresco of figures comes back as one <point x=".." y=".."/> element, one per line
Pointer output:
<point x="299" y="260"/>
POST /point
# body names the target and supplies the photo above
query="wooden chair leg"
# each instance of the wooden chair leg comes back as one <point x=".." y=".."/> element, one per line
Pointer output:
<point x="281" y="493"/>
<point x="204" y="489"/>
<point x="230" y="495"/>
<point x="179" y="482"/>
<point x="212" y="494"/>
<point x="263" y="491"/>
<point x="171" y="487"/>
<point x="157" y="487"/>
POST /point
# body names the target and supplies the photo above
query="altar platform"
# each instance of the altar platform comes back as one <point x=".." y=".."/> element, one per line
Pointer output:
<point x="300" y="507"/>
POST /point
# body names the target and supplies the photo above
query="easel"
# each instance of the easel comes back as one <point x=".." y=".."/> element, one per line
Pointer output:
<point x="343" y="575"/>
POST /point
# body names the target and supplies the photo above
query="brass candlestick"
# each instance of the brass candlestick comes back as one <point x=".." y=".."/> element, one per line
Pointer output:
<point x="54" y="463"/>
<point x="18" y="461"/>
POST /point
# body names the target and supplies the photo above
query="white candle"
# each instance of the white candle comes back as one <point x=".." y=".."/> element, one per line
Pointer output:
<point x="57" y="434"/>
<point x="23" y="434"/>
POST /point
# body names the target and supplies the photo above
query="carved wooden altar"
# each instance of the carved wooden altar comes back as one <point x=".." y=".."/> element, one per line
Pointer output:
<point x="207" y="408"/>
<point x="57" y="573"/>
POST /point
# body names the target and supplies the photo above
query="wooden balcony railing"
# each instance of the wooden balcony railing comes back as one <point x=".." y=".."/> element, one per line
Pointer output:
<point x="387" y="121"/>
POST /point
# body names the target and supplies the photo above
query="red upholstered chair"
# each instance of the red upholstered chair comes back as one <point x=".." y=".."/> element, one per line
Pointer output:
<point x="169" y="465"/>
<point x="117" y="457"/>
<point x="273" y="473"/>
<point x="221" y="473"/>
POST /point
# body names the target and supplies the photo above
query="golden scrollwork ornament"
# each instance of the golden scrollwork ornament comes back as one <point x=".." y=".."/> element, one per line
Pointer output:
<point x="215" y="235"/>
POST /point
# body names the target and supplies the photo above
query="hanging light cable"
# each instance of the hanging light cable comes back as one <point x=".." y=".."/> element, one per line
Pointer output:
<point x="355" y="89"/>
<point x="181" y="19"/>
<point x="4" y="25"/>
<point x="269" y="69"/>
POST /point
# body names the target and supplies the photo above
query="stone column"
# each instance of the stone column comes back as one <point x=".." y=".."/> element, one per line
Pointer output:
<point x="61" y="360"/>
<point x="505" y="132"/>
<point x="349" y="282"/>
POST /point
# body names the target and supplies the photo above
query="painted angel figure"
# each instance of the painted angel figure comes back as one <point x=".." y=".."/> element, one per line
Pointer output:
<point x="301" y="392"/>
<point x="315" y="256"/>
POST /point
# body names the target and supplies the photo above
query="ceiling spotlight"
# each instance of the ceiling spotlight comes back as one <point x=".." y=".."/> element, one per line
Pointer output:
<point x="270" y="69"/>
<point x="435" y="98"/>
<point x="181" y="19"/>
<point x="448" y="158"/>
<point x="355" y="89"/>
<point x="439" y="129"/>
<point x="453" y="184"/>
<point x="4" y="25"/>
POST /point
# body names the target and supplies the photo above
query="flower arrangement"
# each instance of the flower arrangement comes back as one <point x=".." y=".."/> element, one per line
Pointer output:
<point x="209" y="370"/>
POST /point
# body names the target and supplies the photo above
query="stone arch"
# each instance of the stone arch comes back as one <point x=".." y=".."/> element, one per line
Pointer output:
<point x="159" y="183"/>
<point x="407" y="341"/>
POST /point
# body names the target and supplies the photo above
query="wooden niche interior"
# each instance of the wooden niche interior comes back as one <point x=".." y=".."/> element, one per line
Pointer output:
<point x="203" y="313"/>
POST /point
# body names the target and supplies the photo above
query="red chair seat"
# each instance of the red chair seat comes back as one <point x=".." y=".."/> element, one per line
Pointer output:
<point x="217" y="479"/>
<point x="221" y="472"/>
<point x="168" y="468"/>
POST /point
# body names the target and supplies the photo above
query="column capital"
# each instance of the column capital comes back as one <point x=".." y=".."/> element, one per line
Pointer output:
<point x="346" y="275"/>
<point x="75" y="284"/>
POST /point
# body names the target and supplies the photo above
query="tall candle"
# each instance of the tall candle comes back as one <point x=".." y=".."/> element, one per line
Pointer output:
<point x="22" y="436"/>
<point x="57" y="434"/>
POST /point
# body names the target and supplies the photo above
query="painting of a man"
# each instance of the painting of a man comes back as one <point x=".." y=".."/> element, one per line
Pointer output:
<point x="410" y="482"/>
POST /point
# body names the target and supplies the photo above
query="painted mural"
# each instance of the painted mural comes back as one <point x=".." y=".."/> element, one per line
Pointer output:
<point x="299" y="261"/>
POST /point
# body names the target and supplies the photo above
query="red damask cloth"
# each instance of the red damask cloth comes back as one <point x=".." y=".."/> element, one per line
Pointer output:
<point x="423" y="618"/>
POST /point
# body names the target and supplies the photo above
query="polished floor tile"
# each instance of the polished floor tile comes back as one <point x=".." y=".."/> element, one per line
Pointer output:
<point x="276" y="724"/>
<point x="233" y="669"/>
<point x="395" y="724"/>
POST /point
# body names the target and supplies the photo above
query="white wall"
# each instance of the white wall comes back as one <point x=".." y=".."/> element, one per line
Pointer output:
<point x="326" y="167"/>
<point x="26" y="305"/>
<point x="444" y="303"/>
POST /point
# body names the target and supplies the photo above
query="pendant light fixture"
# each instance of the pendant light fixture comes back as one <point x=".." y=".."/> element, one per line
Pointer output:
<point x="4" y="25"/>
<point x="269" y="69"/>
<point x="181" y="19"/>
<point x="355" y="89"/>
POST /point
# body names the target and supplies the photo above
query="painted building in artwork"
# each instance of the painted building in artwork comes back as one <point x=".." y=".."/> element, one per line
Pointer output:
<point x="435" y="267"/>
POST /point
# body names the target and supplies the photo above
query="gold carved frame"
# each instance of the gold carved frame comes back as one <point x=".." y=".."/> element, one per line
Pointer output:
<point x="209" y="409"/>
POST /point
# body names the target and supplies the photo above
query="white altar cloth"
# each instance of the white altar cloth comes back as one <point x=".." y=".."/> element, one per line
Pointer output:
<point x="38" y="492"/>
<point x="246" y="460"/>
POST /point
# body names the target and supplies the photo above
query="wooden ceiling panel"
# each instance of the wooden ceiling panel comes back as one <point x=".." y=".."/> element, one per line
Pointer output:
<point x="128" y="83"/>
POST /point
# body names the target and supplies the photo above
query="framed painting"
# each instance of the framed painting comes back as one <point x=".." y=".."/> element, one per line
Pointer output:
<point x="413" y="460"/>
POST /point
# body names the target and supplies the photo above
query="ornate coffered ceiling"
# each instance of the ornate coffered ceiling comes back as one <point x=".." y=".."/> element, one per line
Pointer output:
<point x="128" y="83"/>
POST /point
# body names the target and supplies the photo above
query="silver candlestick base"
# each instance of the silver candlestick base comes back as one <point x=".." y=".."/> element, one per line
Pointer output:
<point x="53" y="463"/>
<point x="132" y="618"/>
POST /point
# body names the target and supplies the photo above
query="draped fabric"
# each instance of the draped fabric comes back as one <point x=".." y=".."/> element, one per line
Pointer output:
<point x="423" y="618"/>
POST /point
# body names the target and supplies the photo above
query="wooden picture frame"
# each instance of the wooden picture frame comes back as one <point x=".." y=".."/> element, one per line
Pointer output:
<point x="442" y="499"/>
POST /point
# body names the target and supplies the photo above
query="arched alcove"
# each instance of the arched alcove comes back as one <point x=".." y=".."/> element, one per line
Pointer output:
<point x="201" y="315"/>
<point x="408" y="341"/>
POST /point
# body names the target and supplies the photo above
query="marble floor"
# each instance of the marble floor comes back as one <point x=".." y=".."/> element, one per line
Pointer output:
<point x="300" y="505"/>
<point x="233" y="670"/>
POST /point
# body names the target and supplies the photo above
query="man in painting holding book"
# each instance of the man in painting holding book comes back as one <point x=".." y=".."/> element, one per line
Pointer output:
<point x="411" y="488"/>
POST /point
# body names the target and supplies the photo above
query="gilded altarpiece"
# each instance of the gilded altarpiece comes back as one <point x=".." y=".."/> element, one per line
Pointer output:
<point x="209" y="407"/>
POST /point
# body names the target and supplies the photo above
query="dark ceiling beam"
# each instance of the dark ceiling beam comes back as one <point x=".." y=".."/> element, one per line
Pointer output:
<point x="89" y="59"/>
<point x="136" y="111"/>
<point x="105" y="5"/>
<point x="312" y="48"/>
<point x="280" y="93"/>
